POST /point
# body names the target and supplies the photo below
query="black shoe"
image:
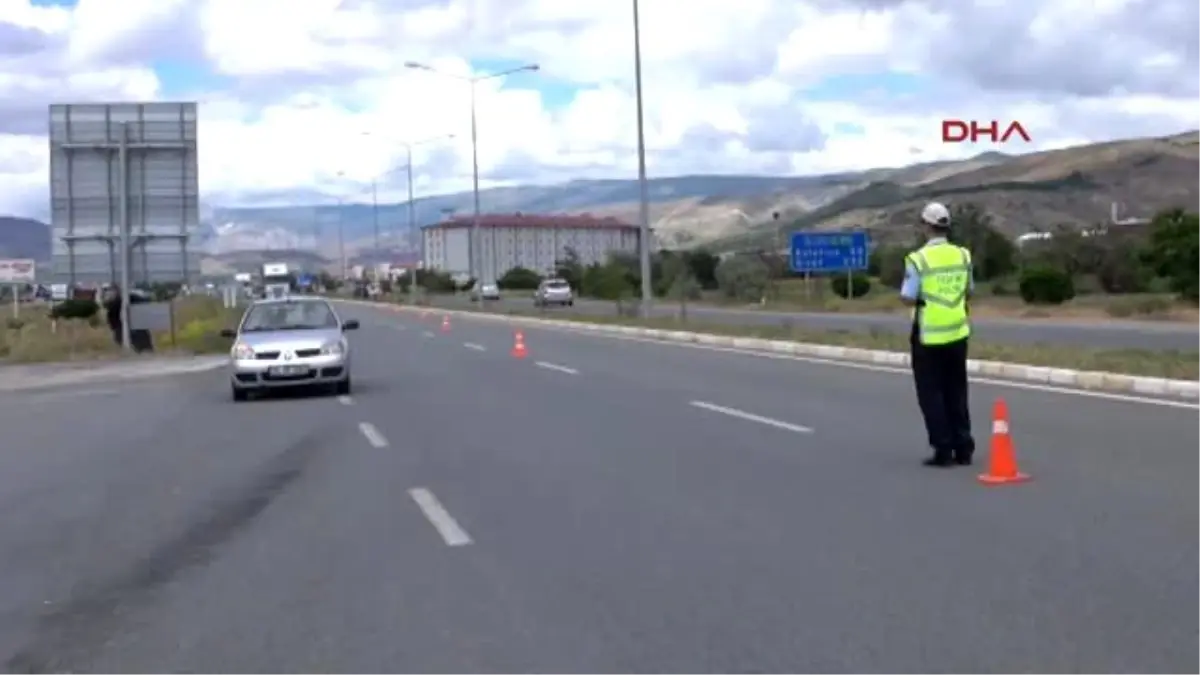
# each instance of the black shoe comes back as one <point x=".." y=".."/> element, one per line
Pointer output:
<point x="938" y="461"/>
<point x="963" y="460"/>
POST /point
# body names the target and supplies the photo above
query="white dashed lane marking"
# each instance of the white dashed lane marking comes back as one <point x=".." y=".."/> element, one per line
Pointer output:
<point x="557" y="368"/>
<point x="751" y="417"/>
<point x="451" y="532"/>
<point x="372" y="435"/>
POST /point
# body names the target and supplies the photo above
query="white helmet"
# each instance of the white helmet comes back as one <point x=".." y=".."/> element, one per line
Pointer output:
<point x="935" y="214"/>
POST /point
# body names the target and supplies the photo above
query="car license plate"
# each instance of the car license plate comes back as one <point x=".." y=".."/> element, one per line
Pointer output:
<point x="287" y="371"/>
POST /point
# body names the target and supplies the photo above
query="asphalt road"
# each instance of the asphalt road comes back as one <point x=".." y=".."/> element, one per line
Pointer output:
<point x="1114" y="334"/>
<point x="601" y="506"/>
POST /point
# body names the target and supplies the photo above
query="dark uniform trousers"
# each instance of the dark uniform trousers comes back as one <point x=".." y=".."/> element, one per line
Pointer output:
<point x="940" y="373"/>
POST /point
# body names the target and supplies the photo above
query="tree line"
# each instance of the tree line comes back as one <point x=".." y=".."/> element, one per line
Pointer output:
<point x="1160" y="257"/>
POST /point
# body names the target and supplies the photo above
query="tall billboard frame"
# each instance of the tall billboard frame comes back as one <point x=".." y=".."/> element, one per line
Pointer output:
<point x="124" y="177"/>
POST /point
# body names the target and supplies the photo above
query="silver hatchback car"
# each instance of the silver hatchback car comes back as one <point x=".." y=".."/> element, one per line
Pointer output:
<point x="289" y="342"/>
<point x="554" y="292"/>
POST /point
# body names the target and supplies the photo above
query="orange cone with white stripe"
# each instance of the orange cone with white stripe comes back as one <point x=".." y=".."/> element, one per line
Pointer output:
<point x="1002" y="460"/>
<point x="518" y="350"/>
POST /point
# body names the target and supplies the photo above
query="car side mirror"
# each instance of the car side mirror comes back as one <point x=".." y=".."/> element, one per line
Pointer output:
<point x="228" y="333"/>
<point x="351" y="324"/>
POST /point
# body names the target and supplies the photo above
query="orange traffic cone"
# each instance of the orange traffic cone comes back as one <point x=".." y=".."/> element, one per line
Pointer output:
<point x="518" y="350"/>
<point x="1002" y="463"/>
<point x="446" y="323"/>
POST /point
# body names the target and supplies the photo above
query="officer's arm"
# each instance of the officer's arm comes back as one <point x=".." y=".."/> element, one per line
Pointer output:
<point x="910" y="290"/>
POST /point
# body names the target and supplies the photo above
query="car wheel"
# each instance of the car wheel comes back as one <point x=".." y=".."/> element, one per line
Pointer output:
<point x="343" y="387"/>
<point x="239" y="394"/>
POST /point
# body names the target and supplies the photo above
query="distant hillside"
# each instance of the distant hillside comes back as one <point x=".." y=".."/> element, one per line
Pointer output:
<point x="711" y="205"/>
<point x="24" y="238"/>
<point x="1074" y="186"/>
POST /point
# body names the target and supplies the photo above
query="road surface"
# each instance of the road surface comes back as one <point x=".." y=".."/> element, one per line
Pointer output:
<point x="601" y="506"/>
<point x="1113" y="334"/>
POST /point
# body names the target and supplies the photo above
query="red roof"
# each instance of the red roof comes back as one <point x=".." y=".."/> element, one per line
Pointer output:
<point x="519" y="220"/>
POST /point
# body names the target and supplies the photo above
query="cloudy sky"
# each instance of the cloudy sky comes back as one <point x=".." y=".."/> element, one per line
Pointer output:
<point x="303" y="97"/>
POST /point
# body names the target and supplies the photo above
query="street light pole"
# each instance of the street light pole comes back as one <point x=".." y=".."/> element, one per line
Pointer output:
<point x="643" y="196"/>
<point x="375" y="214"/>
<point x="341" y="238"/>
<point x="474" y="244"/>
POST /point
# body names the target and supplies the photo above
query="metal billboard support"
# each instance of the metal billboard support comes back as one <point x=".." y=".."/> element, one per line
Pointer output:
<point x="123" y="223"/>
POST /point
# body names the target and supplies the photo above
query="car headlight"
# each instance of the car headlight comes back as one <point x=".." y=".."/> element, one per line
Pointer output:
<point x="333" y="349"/>
<point x="242" y="351"/>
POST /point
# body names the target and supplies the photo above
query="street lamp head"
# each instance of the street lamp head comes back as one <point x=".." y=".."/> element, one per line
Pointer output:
<point x="533" y="67"/>
<point x="414" y="64"/>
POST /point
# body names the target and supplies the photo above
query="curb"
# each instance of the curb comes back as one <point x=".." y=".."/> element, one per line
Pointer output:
<point x="114" y="374"/>
<point x="1088" y="380"/>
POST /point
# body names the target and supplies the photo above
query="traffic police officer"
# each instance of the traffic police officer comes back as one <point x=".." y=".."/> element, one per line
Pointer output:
<point x="938" y="281"/>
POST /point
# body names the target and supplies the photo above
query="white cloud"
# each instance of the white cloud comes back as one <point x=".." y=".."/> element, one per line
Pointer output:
<point x="302" y="80"/>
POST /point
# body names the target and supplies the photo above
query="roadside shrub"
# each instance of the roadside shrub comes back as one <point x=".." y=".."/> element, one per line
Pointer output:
<point x="1121" y="271"/>
<point x="742" y="278"/>
<point x="519" y="279"/>
<point x="75" y="309"/>
<point x="854" y="286"/>
<point x="1045" y="285"/>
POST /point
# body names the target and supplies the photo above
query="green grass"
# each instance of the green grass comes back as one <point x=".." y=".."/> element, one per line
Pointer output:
<point x="35" y="338"/>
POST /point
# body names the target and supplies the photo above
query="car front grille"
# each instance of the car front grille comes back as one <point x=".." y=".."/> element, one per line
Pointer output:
<point x="305" y="353"/>
<point x="266" y="356"/>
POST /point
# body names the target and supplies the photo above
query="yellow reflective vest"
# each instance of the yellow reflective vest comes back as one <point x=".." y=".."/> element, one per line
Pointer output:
<point x="945" y="271"/>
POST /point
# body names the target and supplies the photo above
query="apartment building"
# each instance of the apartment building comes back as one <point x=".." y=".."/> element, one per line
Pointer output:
<point x="531" y="241"/>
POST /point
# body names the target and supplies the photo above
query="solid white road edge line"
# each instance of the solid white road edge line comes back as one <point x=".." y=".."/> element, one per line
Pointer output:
<point x="372" y="435"/>
<point x="437" y="515"/>
<point x="428" y="333"/>
<point x="472" y="345"/>
<point x="345" y="400"/>
<point x="751" y="417"/>
<point x="556" y="367"/>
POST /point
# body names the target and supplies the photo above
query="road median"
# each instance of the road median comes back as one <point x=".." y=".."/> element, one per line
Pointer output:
<point x="1169" y="374"/>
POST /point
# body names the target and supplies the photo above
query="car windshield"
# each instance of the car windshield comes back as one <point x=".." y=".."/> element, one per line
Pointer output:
<point x="289" y="316"/>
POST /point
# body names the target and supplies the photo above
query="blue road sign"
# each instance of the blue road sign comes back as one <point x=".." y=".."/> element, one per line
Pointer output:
<point x="304" y="280"/>
<point x="829" y="251"/>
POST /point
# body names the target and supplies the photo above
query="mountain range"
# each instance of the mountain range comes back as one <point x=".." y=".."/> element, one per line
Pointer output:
<point x="1076" y="186"/>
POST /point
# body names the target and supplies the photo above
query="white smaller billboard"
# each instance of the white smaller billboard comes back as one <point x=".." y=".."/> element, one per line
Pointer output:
<point x="275" y="270"/>
<point x="17" y="271"/>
